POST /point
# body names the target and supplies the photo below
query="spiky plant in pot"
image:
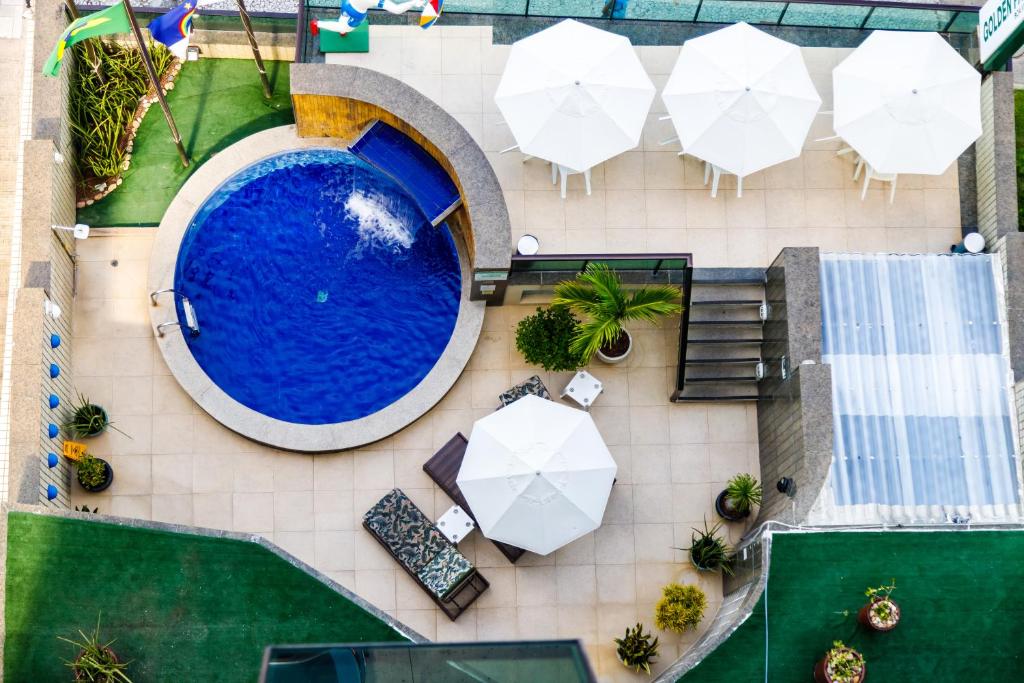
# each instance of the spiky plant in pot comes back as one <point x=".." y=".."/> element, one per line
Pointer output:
<point x="636" y="649"/>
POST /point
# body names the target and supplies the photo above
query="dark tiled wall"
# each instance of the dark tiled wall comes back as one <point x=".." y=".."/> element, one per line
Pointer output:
<point x="794" y="415"/>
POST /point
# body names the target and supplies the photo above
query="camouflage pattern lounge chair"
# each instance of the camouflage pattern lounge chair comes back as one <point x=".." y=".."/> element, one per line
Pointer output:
<point x="433" y="561"/>
<point x="531" y="386"/>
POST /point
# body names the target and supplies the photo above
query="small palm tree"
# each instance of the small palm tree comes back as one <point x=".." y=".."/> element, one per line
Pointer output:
<point x="597" y="295"/>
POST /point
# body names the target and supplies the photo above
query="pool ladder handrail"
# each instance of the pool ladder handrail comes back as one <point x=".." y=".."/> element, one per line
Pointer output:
<point x="190" y="312"/>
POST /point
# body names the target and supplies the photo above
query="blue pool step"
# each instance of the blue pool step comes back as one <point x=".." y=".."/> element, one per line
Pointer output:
<point x="411" y="166"/>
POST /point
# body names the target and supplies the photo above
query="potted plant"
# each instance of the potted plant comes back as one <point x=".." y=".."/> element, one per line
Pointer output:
<point x="841" y="664"/>
<point x="96" y="661"/>
<point x="680" y="609"/>
<point x="708" y="551"/>
<point x="881" y="613"/>
<point x="738" y="498"/>
<point x="87" y="419"/>
<point x="636" y="649"/>
<point x="94" y="474"/>
<point x="544" y="339"/>
<point x="597" y="294"/>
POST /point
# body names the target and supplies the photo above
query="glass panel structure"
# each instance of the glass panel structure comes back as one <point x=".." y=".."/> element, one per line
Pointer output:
<point x="909" y="19"/>
<point x="924" y="428"/>
<point x="824" y="15"/>
<point x="662" y="10"/>
<point x="509" y="662"/>
<point x="731" y="11"/>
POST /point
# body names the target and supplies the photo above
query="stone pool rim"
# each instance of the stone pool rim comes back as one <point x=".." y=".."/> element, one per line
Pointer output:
<point x="222" y="407"/>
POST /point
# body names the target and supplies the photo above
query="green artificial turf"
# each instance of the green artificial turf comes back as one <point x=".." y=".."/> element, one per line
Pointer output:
<point x="1018" y="110"/>
<point x="181" y="607"/>
<point x="959" y="592"/>
<point x="215" y="103"/>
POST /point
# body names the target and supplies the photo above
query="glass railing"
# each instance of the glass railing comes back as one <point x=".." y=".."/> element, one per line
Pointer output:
<point x="850" y="14"/>
<point x="512" y="662"/>
<point x="577" y="263"/>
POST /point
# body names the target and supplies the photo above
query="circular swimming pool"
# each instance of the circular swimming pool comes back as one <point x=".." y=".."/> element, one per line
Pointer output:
<point x="322" y="293"/>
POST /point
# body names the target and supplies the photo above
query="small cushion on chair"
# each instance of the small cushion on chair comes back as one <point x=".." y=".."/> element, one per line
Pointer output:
<point x="445" y="571"/>
<point x="531" y="386"/>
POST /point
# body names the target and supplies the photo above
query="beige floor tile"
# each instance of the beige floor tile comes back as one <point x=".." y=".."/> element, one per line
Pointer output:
<point x="172" y="434"/>
<point x="213" y="473"/>
<point x="652" y="503"/>
<point x="653" y="543"/>
<point x="168" y="397"/>
<point x="785" y="208"/>
<point x="136" y="507"/>
<point x="335" y="550"/>
<point x="213" y="511"/>
<point x="171" y="473"/>
<point x="535" y="586"/>
<point x="134" y="473"/>
<point x="666" y="209"/>
<point x="577" y="584"/>
<point x="906" y="211"/>
<point x="823" y="170"/>
<point x="703" y="210"/>
<point x="423" y="621"/>
<point x="691" y="502"/>
<point x="651" y="464"/>
<point x="620" y="505"/>
<point x="173" y="509"/>
<point x="616" y="584"/>
<point x="378" y="587"/>
<point x="625" y="171"/>
<point x="648" y="425"/>
<point x="690" y="463"/>
<point x="293" y="511"/>
<point x="663" y="170"/>
<point x="462" y="630"/>
<point x="252" y="512"/>
<point x="747" y="211"/>
<point x="496" y="623"/>
<point x="297" y="543"/>
<point x="825" y="208"/>
<point x="538" y="622"/>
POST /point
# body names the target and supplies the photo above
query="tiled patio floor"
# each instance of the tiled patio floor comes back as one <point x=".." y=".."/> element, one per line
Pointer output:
<point x="650" y="199"/>
<point x="181" y="466"/>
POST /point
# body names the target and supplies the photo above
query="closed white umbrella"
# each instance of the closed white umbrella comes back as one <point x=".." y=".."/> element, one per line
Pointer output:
<point x="741" y="99"/>
<point x="574" y="95"/>
<point x="907" y="102"/>
<point x="536" y="474"/>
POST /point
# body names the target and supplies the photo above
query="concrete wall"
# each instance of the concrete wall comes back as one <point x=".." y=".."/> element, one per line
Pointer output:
<point x="46" y="272"/>
<point x="794" y="413"/>
<point x="995" y="159"/>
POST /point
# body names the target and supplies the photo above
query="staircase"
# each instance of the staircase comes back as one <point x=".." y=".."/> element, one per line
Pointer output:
<point x="723" y="346"/>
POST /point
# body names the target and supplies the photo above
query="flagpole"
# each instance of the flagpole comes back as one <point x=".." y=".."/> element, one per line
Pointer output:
<point x="90" y="49"/>
<point x="175" y="135"/>
<point x="247" y="25"/>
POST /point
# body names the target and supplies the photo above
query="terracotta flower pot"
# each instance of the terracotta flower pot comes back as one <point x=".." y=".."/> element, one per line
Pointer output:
<point x="822" y="674"/>
<point x="867" y="616"/>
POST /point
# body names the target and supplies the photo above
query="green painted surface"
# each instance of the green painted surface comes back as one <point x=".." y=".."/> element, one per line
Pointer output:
<point x="182" y="607"/>
<point x="1018" y="108"/>
<point x="215" y="102"/>
<point x="960" y="594"/>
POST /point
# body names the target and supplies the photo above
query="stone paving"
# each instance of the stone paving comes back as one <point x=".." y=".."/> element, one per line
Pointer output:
<point x="181" y="466"/>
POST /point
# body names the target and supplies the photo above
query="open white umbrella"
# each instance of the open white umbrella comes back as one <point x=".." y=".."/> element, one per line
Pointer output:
<point x="741" y="99"/>
<point x="907" y="102"/>
<point x="536" y="474"/>
<point x="574" y="95"/>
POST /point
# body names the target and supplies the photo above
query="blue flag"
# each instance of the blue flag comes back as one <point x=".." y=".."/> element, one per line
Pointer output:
<point x="173" y="29"/>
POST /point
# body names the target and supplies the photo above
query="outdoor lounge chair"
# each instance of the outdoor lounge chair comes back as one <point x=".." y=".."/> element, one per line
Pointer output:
<point x="433" y="561"/>
<point x="531" y="386"/>
<point x="443" y="467"/>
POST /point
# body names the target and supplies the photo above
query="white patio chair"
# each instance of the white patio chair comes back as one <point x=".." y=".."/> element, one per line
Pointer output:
<point x="557" y="170"/>
<point x="871" y="174"/>
<point x="715" y="173"/>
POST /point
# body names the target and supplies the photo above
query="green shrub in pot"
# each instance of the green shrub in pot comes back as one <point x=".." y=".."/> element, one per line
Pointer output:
<point x="544" y="339"/>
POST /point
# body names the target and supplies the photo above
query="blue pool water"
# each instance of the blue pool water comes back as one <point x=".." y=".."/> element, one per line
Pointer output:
<point x="322" y="292"/>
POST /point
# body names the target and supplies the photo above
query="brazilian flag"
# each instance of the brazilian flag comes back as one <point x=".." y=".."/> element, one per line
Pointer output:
<point x="114" y="19"/>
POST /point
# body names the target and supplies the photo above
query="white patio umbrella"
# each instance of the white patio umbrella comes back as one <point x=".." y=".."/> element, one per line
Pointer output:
<point x="741" y="99"/>
<point x="574" y="95"/>
<point x="907" y="102"/>
<point x="536" y="474"/>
